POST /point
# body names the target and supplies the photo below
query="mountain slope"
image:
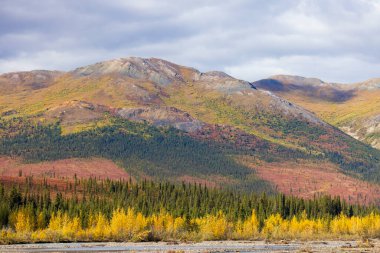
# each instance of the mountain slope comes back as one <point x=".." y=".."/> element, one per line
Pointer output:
<point x="161" y="120"/>
<point x="354" y="108"/>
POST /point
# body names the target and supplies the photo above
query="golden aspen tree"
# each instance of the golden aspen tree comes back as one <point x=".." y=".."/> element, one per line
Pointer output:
<point x="214" y="227"/>
<point x="119" y="224"/>
<point x="340" y="225"/>
<point x="71" y="228"/>
<point x="275" y="227"/>
<point x="373" y="224"/>
<point x="248" y="229"/>
<point x="56" y="221"/>
<point x="23" y="223"/>
<point x="41" y="221"/>
<point x="179" y="226"/>
<point x="54" y="232"/>
<point x="158" y="225"/>
<point x="140" y="233"/>
<point x="99" y="229"/>
<point x="39" y="236"/>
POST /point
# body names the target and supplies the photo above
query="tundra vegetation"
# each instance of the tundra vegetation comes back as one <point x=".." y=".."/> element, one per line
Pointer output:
<point x="105" y="210"/>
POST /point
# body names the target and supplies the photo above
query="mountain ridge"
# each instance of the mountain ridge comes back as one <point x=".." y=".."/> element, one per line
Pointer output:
<point x="237" y="118"/>
<point x="354" y="108"/>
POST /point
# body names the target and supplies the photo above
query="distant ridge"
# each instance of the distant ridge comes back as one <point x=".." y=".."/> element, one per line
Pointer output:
<point x="354" y="108"/>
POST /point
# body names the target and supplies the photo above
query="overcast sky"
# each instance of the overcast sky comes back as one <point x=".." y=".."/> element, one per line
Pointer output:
<point x="335" y="40"/>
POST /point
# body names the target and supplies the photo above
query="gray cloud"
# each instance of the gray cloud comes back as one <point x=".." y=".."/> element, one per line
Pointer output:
<point x="336" y="40"/>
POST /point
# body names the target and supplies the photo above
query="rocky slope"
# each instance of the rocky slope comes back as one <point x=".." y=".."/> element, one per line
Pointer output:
<point x="354" y="108"/>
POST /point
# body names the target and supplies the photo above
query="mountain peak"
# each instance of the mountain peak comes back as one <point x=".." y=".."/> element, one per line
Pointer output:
<point x="162" y="73"/>
<point x="157" y="70"/>
<point x="298" y="80"/>
<point x="27" y="80"/>
<point x="370" y="84"/>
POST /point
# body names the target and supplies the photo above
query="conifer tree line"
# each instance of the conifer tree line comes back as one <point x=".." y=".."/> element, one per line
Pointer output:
<point x="161" y="152"/>
<point x="102" y="210"/>
<point x="157" y="152"/>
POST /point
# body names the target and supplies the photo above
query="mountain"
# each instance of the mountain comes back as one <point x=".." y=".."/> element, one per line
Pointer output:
<point x="354" y="108"/>
<point x="11" y="83"/>
<point x="159" y="120"/>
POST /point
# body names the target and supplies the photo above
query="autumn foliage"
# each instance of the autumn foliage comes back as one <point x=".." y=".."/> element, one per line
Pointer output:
<point x="128" y="225"/>
<point x="127" y="211"/>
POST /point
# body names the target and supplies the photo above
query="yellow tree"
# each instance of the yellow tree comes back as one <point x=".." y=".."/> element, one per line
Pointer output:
<point x="23" y="223"/>
<point x="118" y="224"/>
<point x="341" y="225"/>
<point x="275" y="227"/>
<point x="124" y="226"/>
<point x="99" y="227"/>
<point x="248" y="229"/>
<point x="214" y="227"/>
<point x="71" y="228"/>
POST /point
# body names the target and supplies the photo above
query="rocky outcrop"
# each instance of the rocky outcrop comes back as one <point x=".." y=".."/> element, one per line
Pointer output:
<point x="162" y="116"/>
<point x="366" y="130"/>
<point x="76" y="112"/>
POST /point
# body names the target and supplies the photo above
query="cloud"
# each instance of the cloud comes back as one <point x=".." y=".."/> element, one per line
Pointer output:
<point x="336" y="40"/>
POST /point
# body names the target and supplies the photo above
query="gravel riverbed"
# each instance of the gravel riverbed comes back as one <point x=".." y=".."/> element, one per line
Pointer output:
<point x="203" y="247"/>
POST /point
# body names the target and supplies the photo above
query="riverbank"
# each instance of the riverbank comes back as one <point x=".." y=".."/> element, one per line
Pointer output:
<point x="209" y="246"/>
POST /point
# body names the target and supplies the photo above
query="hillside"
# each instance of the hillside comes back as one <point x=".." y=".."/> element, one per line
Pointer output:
<point x="354" y="108"/>
<point x="159" y="120"/>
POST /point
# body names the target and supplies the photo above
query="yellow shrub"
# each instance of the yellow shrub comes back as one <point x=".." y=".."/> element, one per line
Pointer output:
<point x="275" y="227"/>
<point x="367" y="226"/>
<point x="179" y="225"/>
<point x="371" y="225"/>
<point x="161" y="225"/>
<point x="71" y="228"/>
<point x="63" y="227"/>
<point x="248" y="229"/>
<point x="23" y="223"/>
<point x="305" y="228"/>
<point x="214" y="227"/>
<point x="126" y="225"/>
<point x="99" y="228"/>
<point x="119" y="224"/>
<point x="129" y="225"/>
<point x="39" y="236"/>
<point x="341" y="225"/>
<point x="56" y="222"/>
<point x="41" y="222"/>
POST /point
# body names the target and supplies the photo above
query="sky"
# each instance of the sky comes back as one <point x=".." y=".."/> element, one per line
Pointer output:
<point x="335" y="40"/>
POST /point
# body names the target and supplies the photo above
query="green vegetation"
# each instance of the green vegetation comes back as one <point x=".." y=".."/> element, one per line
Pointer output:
<point x="360" y="159"/>
<point x="88" y="210"/>
<point x="140" y="148"/>
<point x="145" y="150"/>
<point x="305" y="139"/>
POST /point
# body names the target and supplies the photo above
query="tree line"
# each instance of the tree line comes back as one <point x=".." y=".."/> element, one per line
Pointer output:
<point x="90" y="209"/>
<point x="140" y="148"/>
